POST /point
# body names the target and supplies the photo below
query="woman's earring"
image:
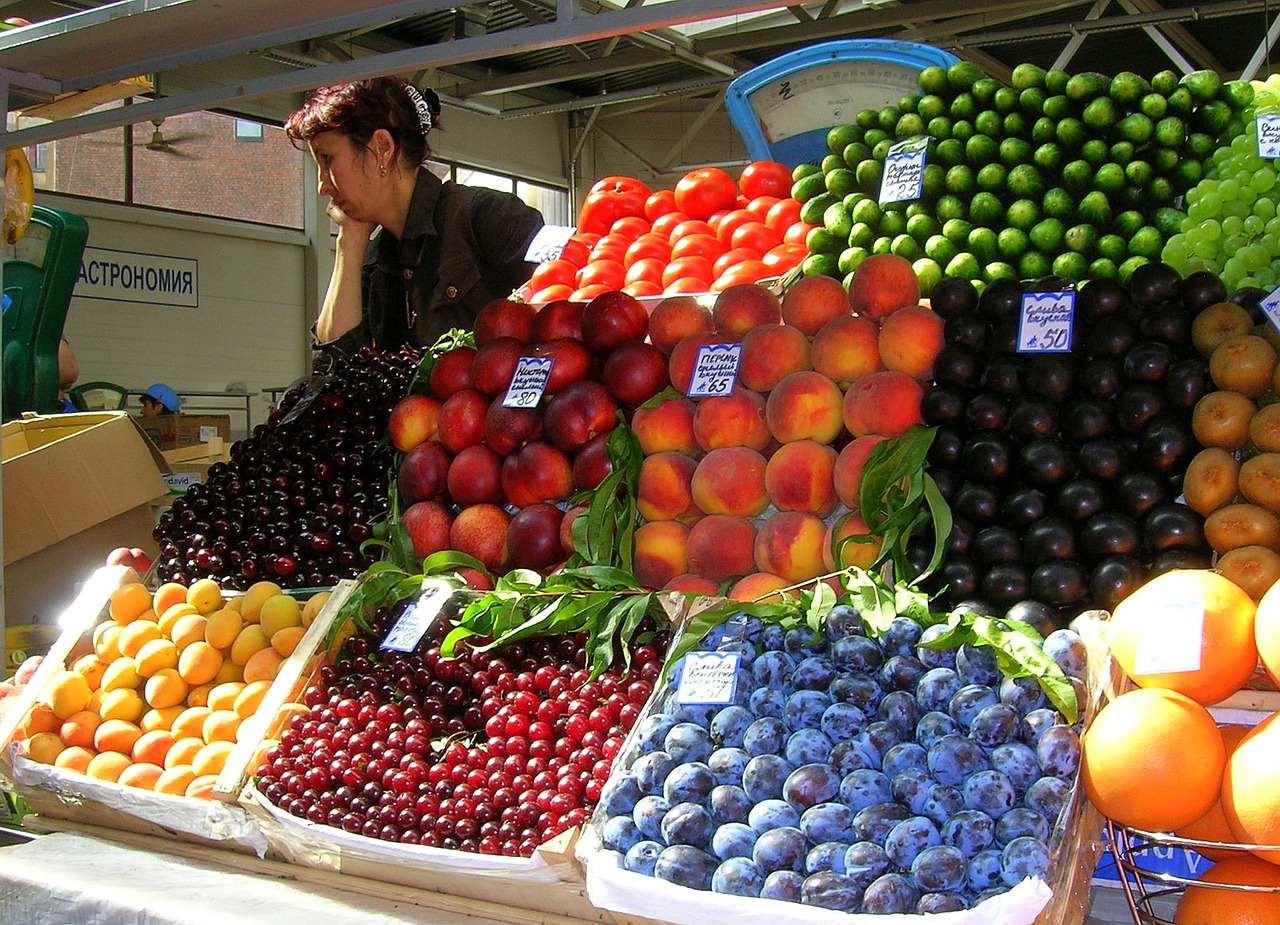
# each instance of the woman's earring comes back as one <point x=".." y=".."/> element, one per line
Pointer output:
<point x="382" y="169"/>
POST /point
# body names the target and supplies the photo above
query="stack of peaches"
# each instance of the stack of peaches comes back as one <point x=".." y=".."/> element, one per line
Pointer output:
<point x="748" y="492"/>
<point x="156" y="696"/>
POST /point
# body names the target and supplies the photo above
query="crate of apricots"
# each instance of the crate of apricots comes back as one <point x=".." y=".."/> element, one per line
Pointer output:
<point x="130" y="719"/>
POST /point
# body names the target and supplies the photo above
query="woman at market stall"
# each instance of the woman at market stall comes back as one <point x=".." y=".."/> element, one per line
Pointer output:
<point x="415" y="256"/>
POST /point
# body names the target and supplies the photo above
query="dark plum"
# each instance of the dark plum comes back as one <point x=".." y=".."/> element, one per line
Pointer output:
<point x="1032" y="416"/>
<point x="996" y="545"/>
<point x="1104" y="458"/>
<point x="960" y="542"/>
<point x="985" y="411"/>
<point x="1052" y="376"/>
<point x="1188" y="382"/>
<point x="1110" y="533"/>
<point x="1059" y="583"/>
<point x="1005" y="584"/>
<point x="1100" y="297"/>
<point x="958" y="365"/>
<point x="1023" y="507"/>
<point x="980" y="504"/>
<point x="1114" y="578"/>
<point x="1166" y="445"/>
<point x="1148" y="361"/>
<point x="1154" y="283"/>
<point x="960" y="576"/>
<point x="1086" y="419"/>
<point x="953" y="296"/>
<point x="1001" y="299"/>
<point x="1169" y="526"/>
<point x="945" y="404"/>
<point x="1168" y="324"/>
<point x="1049" y="538"/>
<point x="1112" y="336"/>
<point x="967" y="330"/>
<point x="988" y="457"/>
<point x="1080" y="499"/>
<point x="1003" y="376"/>
<point x="947" y="446"/>
<point x="1140" y="404"/>
<point x="1202" y="289"/>
<point x="1138" y="492"/>
<point x="1101" y="377"/>
<point x="1045" y="463"/>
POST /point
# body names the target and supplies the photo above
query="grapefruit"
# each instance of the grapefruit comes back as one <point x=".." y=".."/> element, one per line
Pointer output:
<point x="1250" y="795"/>
<point x="1206" y="905"/>
<point x="1266" y="630"/>
<point x="1213" y="825"/>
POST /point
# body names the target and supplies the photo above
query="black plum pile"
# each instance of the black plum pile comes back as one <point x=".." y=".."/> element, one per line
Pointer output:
<point x="1063" y="469"/>
<point x="490" y="752"/>
<point x="300" y="494"/>
<point x="850" y="772"/>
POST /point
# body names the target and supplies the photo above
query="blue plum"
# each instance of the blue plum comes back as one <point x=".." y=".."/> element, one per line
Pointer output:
<point x="901" y="637"/>
<point x="687" y="824"/>
<point x="784" y="885"/>
<point x="1058" y="752"/>
<point x="690" y="782"/>
<point x="1020" y="821"/>
<point x="619" y="834"/>
<point x="976" y="665"/>
<point x="687" y="742"/>
<point x="969" y="830"/>
<point x="900" y="710"/>
<point x="1036" y="722"/>
<point x="733" y="840"/>
<point x="813" y="673"/>
<point x="830" y="890"/>
<point x="902" y="756"/>
<point x="940" y="868"/>
<point x="842" y="721"/>
<point x="995" y="725"/>
<point x="803" y="642"/>
<point x="900" y="673"/>
<point x="811" y="784"/>
<point x="842" y="621"/>
<point x="780" y="849"/>
<point x="1024" y="857"/>
<point x="968" y="701"/>
<point x="984" y="870"/>
<point x="648" y="815"/>
<point x="773" y="669"/>
<point x="936" y="687"/>
<point x="1066" y="648"/>
<point x="686" y="866"/>
<point x="804" y="709"/>
<point x="933" y="726"/>
<point x="765" y="736"/>
<point x="874" y="822"/>
<point x="879" y="737"/>
<point x="1023" y="694"/>
<point x="912" y="786"/>
<point x="989" y="791"/>
<point x="764" y="776"/>
<point x="651" y="731"/>
<point x="1048" y="796"/>
<point x="768" y="701"/>
<point x="772" y="814"/>
<point x="891" y="892"/>
<point x="772" y="637"/>
<point x="851" y="755"/>
<point x="954" y="757"/>
<point x="642" y="856"/>
<point x="651" y="771"/>
<point x="620" y="794"/>
<point x="807" y="745"/>
<point x="729" y="803"/>
<point x="943" y="802"/>
<point x="1016" y="761"/>
<point x="827" y="822"/>
<point x="737" y="876"/>
<point x="729" y="725"/>
<point x="827" y="855"/>
<point x="933" y="903"/>
<point x="864" y="786"/>
<point x="909" y="837"/>
<point x="727" y="764"/>
<point x="865" y="861"/>
<point x="861" y="690"/>
<point x="857" y="654"/>
<point x="935" y="658"/>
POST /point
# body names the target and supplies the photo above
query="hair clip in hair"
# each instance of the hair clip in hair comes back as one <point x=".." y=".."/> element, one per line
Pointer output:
<point x="420" y="104"/>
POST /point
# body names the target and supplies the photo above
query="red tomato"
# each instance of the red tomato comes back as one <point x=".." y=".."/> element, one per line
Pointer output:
<point x="696" y="267"/>
<point x="610" y="199"/>
<point x="551" y="294"/>
<point x="553" y="272"/>
<point x="692" y="226"/>
<point x="756" y="236"/>
<point x="588" y="238"/>
<point x="760" y="206"/>
<point x="748" y="271"/>
<point x="587" y="293"/>
<point x="649" y="268"/>
<point x="785" y="256"/>
<point x="663" y="224"/>
<point x="732" y="257"/>
<point x="642" y="288"/>
<point x="609" y="273"/>
<point x="659" y="203"/>
<point x="576" y="252"/>
<point x="612" y="252"/>
<point x="731" y="222"/>
<point x="701" y="192"/>
<point x="647" y="245"/>
<point x="697" y="245"/>
<point x="782" y="215"/>
<point x="685" y="284"/>
<point x="797" y="233"/>
<point x="629" y="226"/>
<point x="765" y="178"/>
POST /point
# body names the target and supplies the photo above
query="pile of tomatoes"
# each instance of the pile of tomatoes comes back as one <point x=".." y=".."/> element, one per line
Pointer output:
<point x="707" y="234"/>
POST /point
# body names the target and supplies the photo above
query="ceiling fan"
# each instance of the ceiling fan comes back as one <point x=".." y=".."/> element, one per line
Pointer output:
<point x="165" y="143"/>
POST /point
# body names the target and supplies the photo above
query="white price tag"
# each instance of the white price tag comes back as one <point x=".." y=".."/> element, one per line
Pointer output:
<point x="903" y="179"/>
<point x="528" y="382"/>
<point x="1177" y="646"/>
<point x="179" y="482"/>
<point x="418" y="617"/>
<point x="709" y="677"/>
<point x="1268" y="136"/>
<point x="1270" y="305"/>
<point x="549" y="242"/>
<point x="1046" y="322"/>
<point x="715" y="370"/>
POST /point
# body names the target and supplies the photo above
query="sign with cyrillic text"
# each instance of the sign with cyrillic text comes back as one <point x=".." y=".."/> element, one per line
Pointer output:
<point x="126" y="276"/>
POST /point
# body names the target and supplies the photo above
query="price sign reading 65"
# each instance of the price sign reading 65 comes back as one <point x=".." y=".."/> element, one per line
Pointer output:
<point x="715" y="370"/>
<point x="1046" y="322"/>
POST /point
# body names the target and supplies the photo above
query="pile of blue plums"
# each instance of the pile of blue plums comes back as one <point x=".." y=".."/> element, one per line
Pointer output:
<point x="850" y="772"/>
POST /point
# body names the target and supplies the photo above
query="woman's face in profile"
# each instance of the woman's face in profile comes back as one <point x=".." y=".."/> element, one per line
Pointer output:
<point x="346" y="173"/>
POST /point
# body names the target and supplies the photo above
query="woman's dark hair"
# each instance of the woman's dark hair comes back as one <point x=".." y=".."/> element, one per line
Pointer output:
<point x="359" y="109"/>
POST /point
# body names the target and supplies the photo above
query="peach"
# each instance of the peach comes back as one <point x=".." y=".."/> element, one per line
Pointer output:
<point x="849" y="466"/>
<point x="452" y="373"/>
<point x="44" y="747"/>
<point x="692" y="584"/>
<point x="846" y="349"/>
<point x="882" y="284"/>
<point x="885" y="403"/>
<point x="577" y="414"/>
<point x="721" y="547"/>
<point x="428" y="524"/>
<point x="78" y="728"/>
<point x="414" y="419"/>
<point x="495" y="365"/>
<point x="770" y="352"/>
<point x="183" y="751"/>
<point x="684" y="357"/>
<point x="475" y="476"/>
<point x="503" y="318"/>
<point x="664" y="490"/>
<point x="535" y="473"/>
<point x="634" y="373"/>
<point x="128" y="602"/>
<point x="591" y="464"/>
<point x="558" y="319"/>
<point x="805" y="405"/>
<point x="533" y="536"/>
<point x="566" y="528"/>
<point x="800" y="477"/>
<point x="107" y="766"/>
<point x="737" y="309"/>
<point x="676" y="317"/>
<point x="175" y="780"/>
<point x="730" y="480"/>
<point x="736" y="419"/>
<point x="422" y="473"/>
<point x="789" y="544"/>
<point x="760" y="587"/>
<point x="613" y="318"/>
<point x="480" y="531"/>
<point x="910" y="340"/>
<point x="570" y="361"/>
<point x="666" y="425"/>
<point x="462" y="419"/>
<point x="116" y="735"/>
<point x="812" y="302"/>
<point x="151" y="747"/>
<point x="849" y="543"/>
<point x="662" y="552"/>
<point x="75" y="758"/>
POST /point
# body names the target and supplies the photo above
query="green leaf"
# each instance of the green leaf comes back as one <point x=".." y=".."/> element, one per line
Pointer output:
<point x="452" y="640"/>
<point x="450" y="560"/>
<point x="893" y="493"/>
<point x="872" y="598"/>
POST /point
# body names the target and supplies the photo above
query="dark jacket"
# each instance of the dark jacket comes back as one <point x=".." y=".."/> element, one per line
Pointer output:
<point x="463" y="247"/>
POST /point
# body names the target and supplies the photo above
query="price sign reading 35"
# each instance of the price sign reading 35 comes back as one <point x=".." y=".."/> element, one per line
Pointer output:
<point x="1046" y="322"/>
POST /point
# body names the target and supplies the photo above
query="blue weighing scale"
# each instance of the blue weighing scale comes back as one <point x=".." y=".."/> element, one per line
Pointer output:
<point x="784" y="108"/>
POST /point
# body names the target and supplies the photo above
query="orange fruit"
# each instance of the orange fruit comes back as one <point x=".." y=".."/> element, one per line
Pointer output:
<point x="1150" y="632"/>
<point x="1213" y="825"/>
<point x="1250" y="798"/>
<point x="1266" y="632"/>
<point x="1202" y="905"/>
<point x="1152" y="759"/>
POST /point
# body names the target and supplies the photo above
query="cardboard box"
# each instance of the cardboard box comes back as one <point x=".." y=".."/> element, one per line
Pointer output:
<point x="171" y="431"/>
<point x="190" y="465"/>
<point x="76" y="486"/>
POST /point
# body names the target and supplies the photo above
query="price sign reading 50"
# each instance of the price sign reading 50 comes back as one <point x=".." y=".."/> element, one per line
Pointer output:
<point x="1046" y="322"/>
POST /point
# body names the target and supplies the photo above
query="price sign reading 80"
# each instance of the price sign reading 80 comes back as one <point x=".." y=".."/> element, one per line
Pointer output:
<point x="528" y="382"/>
<point x="1046" y="322"/>
<point x="715" y="370"/>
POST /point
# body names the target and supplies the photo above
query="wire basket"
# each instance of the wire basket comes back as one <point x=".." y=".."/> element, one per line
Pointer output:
<point x="1148" y="892"/>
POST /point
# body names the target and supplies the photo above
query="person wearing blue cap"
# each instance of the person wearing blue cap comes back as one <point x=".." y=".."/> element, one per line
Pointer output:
<point x="160" y="399"/>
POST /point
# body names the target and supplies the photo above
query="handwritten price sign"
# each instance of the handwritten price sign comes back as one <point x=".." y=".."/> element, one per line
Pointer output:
<point x="903" y="179"/>
<point x="1046" y="322"/>
<point x="528" y="382"/>
<point x="548" y="242"/>
<point x="708" y="678"/>
<point x="1268" y="136"/>
<point x="715" y="370"/>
